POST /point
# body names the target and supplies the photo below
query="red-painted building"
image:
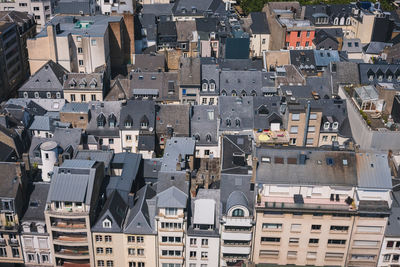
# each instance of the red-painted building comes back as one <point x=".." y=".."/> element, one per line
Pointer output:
<point x="299" y="33"/>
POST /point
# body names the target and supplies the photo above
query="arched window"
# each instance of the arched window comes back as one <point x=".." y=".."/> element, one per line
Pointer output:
<point x="197" y="137"/>
<point x="237" y="123"/>
<point x="101" y="120"/>
<point x="112" y="120"/>
<point x="223" y="93"/>
<point x="238" y="213"/>
<point x="336" y="21"/>
<point x="204" y="86"/>
<point x="234" y="93"/>
<point x="25" y="94"/>
<point x="212" y="87"/>
<point x="228" y="122"/>
<point x="348" y="21"/>
<point x="342" y="21"/>
<point x="335" y="125"/>
<point x="208" y="138"/>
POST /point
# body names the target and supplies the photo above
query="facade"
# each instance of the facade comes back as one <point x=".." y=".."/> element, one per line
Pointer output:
<point x="35" y="240"/>
<point x="70" y="215"/>
<point x="82" y="87"/>
<point x="77" y="114"/>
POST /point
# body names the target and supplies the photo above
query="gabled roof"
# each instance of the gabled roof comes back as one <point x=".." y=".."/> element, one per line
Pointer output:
<point x="37" y="203"/>
<point x="172" y="198"/>
<point x="48" y="78"/>
<point x="259" y="23"/>
<point x="140" y="217"/>
<point x="135" y="109"/>
<point x="114" y="210"/>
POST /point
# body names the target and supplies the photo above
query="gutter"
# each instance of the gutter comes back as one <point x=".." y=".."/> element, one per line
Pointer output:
<point x="307" y="122"/>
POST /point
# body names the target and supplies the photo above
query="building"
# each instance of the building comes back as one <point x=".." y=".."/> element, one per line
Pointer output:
<point x="83" y="87"/>
<point x="76" y="7"/>
<point x="202" y="239"/>
<point x="256" y="25"/>
<point x="80" y="44"/>
<point x="328" y="38"/>
<point x="13" y="199"/>
<point x="320" y="214"/>
<point x="299" y="33"/>
<point x="235" y="115"/>
<point x="189" y="80"/>
<point x="77" y="114"/>
<point x="71" y="205"/>
<point x="11" y="60"/>
<point x="35" y="240"/>
<point x="46" y="82"/>
<point x="40" y="11"/>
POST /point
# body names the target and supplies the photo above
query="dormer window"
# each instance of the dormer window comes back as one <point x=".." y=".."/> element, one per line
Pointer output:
<point x="243" y="93"/>
<point x="72" y="83"/>
<point x="335" y="125"/>
<point x="342" y="21"/>
<point x="197" y="137"/>
<point x="144" y="122"/>
<point x="106" y="223"/>
<point x="36" y="95"/>
<point x="237" y="123"/>
<point x="208" y="138"/>
<point x="128" y="122"/>
<point x="336" y="21"/>
<point x="253" y="93"/>
<point x="83" y="83"/>
<point x="25" y="94"/>
<point x="327" y="125"/>
<point x="212" y="86"/>
<point x="238" y="213"/>
<point x="371" y="77"/>
<point x="101" y="120"/>
<point x="389" y="78"/>
<point x="228" y="122"/>
<point x="93" y="83"/>
<point x="380" y="78"/>
<point x="234" y="93"/>
<point x="223" y="93"/>
<point x="348" y="21"/>
<point x="48" y="94"/>
<point x="204" y="87"/>
<point x="112" y="120"/>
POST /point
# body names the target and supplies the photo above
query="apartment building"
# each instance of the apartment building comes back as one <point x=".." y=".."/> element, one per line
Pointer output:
<point x="41" y="10"/>
<point x="11" y="60"/>
<point x="389" y="254"/>
<point x="202" y="239"/>
<point x="256" y="25"/>
<point x="317" y="207"/>
<point x="13" y="199"/>
<point x="35" y="240"/>
<point x="71" y="210"/>
<point x="80" y="44"/>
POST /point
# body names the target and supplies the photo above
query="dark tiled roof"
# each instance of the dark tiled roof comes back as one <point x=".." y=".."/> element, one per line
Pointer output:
<point x="259" y="23"/>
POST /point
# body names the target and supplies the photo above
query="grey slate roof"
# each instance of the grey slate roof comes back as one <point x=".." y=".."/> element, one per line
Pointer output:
<point x="158" y="9"/>
<point x="48" y="78"/>
<point x="210" y="73"/>
<point x="8" y="178"/>
<point x="236" y="198"/>
<point x="107" y="109"/>
<point x="247" y="82"/>
<point x="115" y="210"/>
<point x="174" y="147"/>
<point x="41" y="123"/>
<point x="324" y="57"/>
<point x="151" y="167"/>
<point x="189" y="72"/>
<point x="196" y="8"/>
<point x="97" y="155"/>
<point x="204" y="122"/>
<point x="140" y="217"/>
<point x="130" y="163"/>
<point x="235" y="151"/>
<point x="136" y="110"/>
<point x="259" y="23"/>
<point x="352" y="46"/>
<point x="74" y="7"/>
<point x="148" y="62"/>
<point x="75" y="107"/>
<point x="72" y="182"/>
<point x="303" y="59"/>
<point x="375" y="48"/>
<point x="172" y="198"/>
<point x="266" y="111"/>
<point x="315" y="171"/>
<point x="83" y="81"/>
<point x="235" y="189"/>
<point x="233" y="110"/>
<point x="173" y="117"/>
<point x="146" y="142"/>
<point x="37" y="203"/>
<point x="367" y="70"/>
<point x="344" y="73"/>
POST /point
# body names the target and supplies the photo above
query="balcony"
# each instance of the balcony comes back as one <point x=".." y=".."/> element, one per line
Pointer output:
<point x="69" y="225"/>
<point x="235" y="250"/>
<point x="3" y="242"/>
<point x="13" y="242"/>
<point x="70" y="239"/>
<point x="240" y="236"/>
<point x="72" y="253"/>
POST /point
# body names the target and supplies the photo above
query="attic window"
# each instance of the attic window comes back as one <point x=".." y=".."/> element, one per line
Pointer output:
<point x="208" y="138"/>
<point x="106" y="223"/>
<point x="335" y="125"/>
<point x="266" y="159"/>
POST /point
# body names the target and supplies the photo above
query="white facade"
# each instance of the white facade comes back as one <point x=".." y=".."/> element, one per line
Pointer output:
<point x="49" y="153"/>
<point x="212" y="151"/>
<point x="390" y="252"/>
<point x="113" y="143"/>
<point x="36" y="245"/>
<point x="129" y="140"/>
<point x="202" y="250"/>
<point x="42" y="134"/>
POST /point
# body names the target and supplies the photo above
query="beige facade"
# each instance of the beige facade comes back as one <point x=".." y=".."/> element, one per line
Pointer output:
<point x="297" y="127"/>
<point x="77" y="119"/>
<point x="361" y="27"/>
<point x="83" y="96"/>
<point x="258" y="44"/>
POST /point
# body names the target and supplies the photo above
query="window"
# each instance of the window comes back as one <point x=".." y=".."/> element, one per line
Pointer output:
<point x="298" y="33"/>
<point x="37" y="17"/>
<point x="204" y="255"/>
<point x="297" y="44"/>
<point x="140" y="264"/>
<point x="140" y="251"/>
<point x="335" y="125"/>
<point x="238" y="213"/>
<point x="325" y="138"/>
<point x="292" y="141"/>
<point x="204" y="242"/>
<point x="204" y="102"/>
<point x="131" y="251"/>
<point x="110" y="263"/>
<point x="270" y="239"/>
<point x="132" y="264"/>
<point x="307" y="44"/>
<point x="294" y="129"/>
<point x="386" y="257"/>
<point x="72" y="98"/>
<point x="79" y="38"/>
<point x="108" y="238"/>
<point x="293" y="240"/>
<point x="366" y="243"/>
<point x="272" y="226"/>
<point x="128" y="137"/>
<point x="25" y="4"/>
<point x="110" y="141"/>
<point x="131" y="239"/>
<point x="80" y="62"/>
<point x="140" y="239"/>
<point x="362" y="257"/>
<point x="193" y="241"/>
<point x="15" y="252"/>
<point x="100" y="263"/>
<point x="31" y="257"/>
<point x="310" y="141"/>
<point x="336" y="241"/>
<point x="58" y="95"/>
<point x="339" y="228"/>
<point x="332" y="255"/>
<point x="99" y="238"/>
<point x="80" y="50"/>
<point x="192" y="254"/>
<point x="269" y="253"/>
<point x="313" y="241"/>
<point x="292" y="254"/>
<point x="109" y="250"/>
<point x="316" y="227"/>
<point x="94" y="42"/>
<point x="369" y="229"/>
<point x="93" y="97"/>
<point x="212" y="87"/>
<point x="295" y="116"/>
<point x="83" y="97"/>
<point x="99" y="250"/>
<point x="36" y="94"/>
<point x="311" y="129"/>
<point x="204" y="87"/>
<point x="171" y="211"/>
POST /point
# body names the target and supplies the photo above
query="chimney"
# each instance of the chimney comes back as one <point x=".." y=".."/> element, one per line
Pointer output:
<point x="131" y="199"/>
<point x="178" y="166"/>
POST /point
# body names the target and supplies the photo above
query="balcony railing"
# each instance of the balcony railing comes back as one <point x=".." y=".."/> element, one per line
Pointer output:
<point x="304" y="206"/>
<point x="13" y="242"/>
<point x="69" y="225"/>
<point x="72" y="239"/>
<point x="2" y="241"/>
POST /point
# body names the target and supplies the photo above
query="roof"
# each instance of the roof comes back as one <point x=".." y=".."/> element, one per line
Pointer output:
<point x="114" y="210"/>
<point x="306" y="167"/>
<point x="167" y="28"/>
<point x="96" y="155"/>
<point x="75" y="25"/>
<point x="146" y="142"/>
<point x="352" y="45"/>
<point x="16" y="16"/>
<point x="186" y="30"/>
<point x="237" y="48"/>
<point x="393" y="226"/>
<point x="176" y="148"/>
<point x="140" y="217"/>
<point x="148" y="62"/>
<point x="189" y="72"/>
<point x="74" y="7"/>
<point x="373" y="171"/>
<point x="157" y="9"/>
<point x="136" y="111"/>
<point x="48" y="78"/>
<point x="41" y="123"/>
<point x="37" y="203"/>
<point x="235" y="151"/>
<point x="204" y="125"/>
<point x="108" y="111"/>
<point x="173" y="117"/>
<point x="204" y="211"/>
<point x="83" y="81"/>
<point x="384" y="70"/>
<point x="259" y="23"/>
<point x="236" y="113"/>
<point x="9" y="179"/>
<point x="367" y="93"/>
<point x="266" y="111"/>
<point x="75" y="107"/>
<point x="236" y="198"/>
<point x="172" y="198"/>
<point x="303" y="59"/>
<point x="325" y="57"/>
<point x="73" y="182"/>
<point x="195" y="8"/>
<point x="343" y="73"/>
<point x="375" y="48"/>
